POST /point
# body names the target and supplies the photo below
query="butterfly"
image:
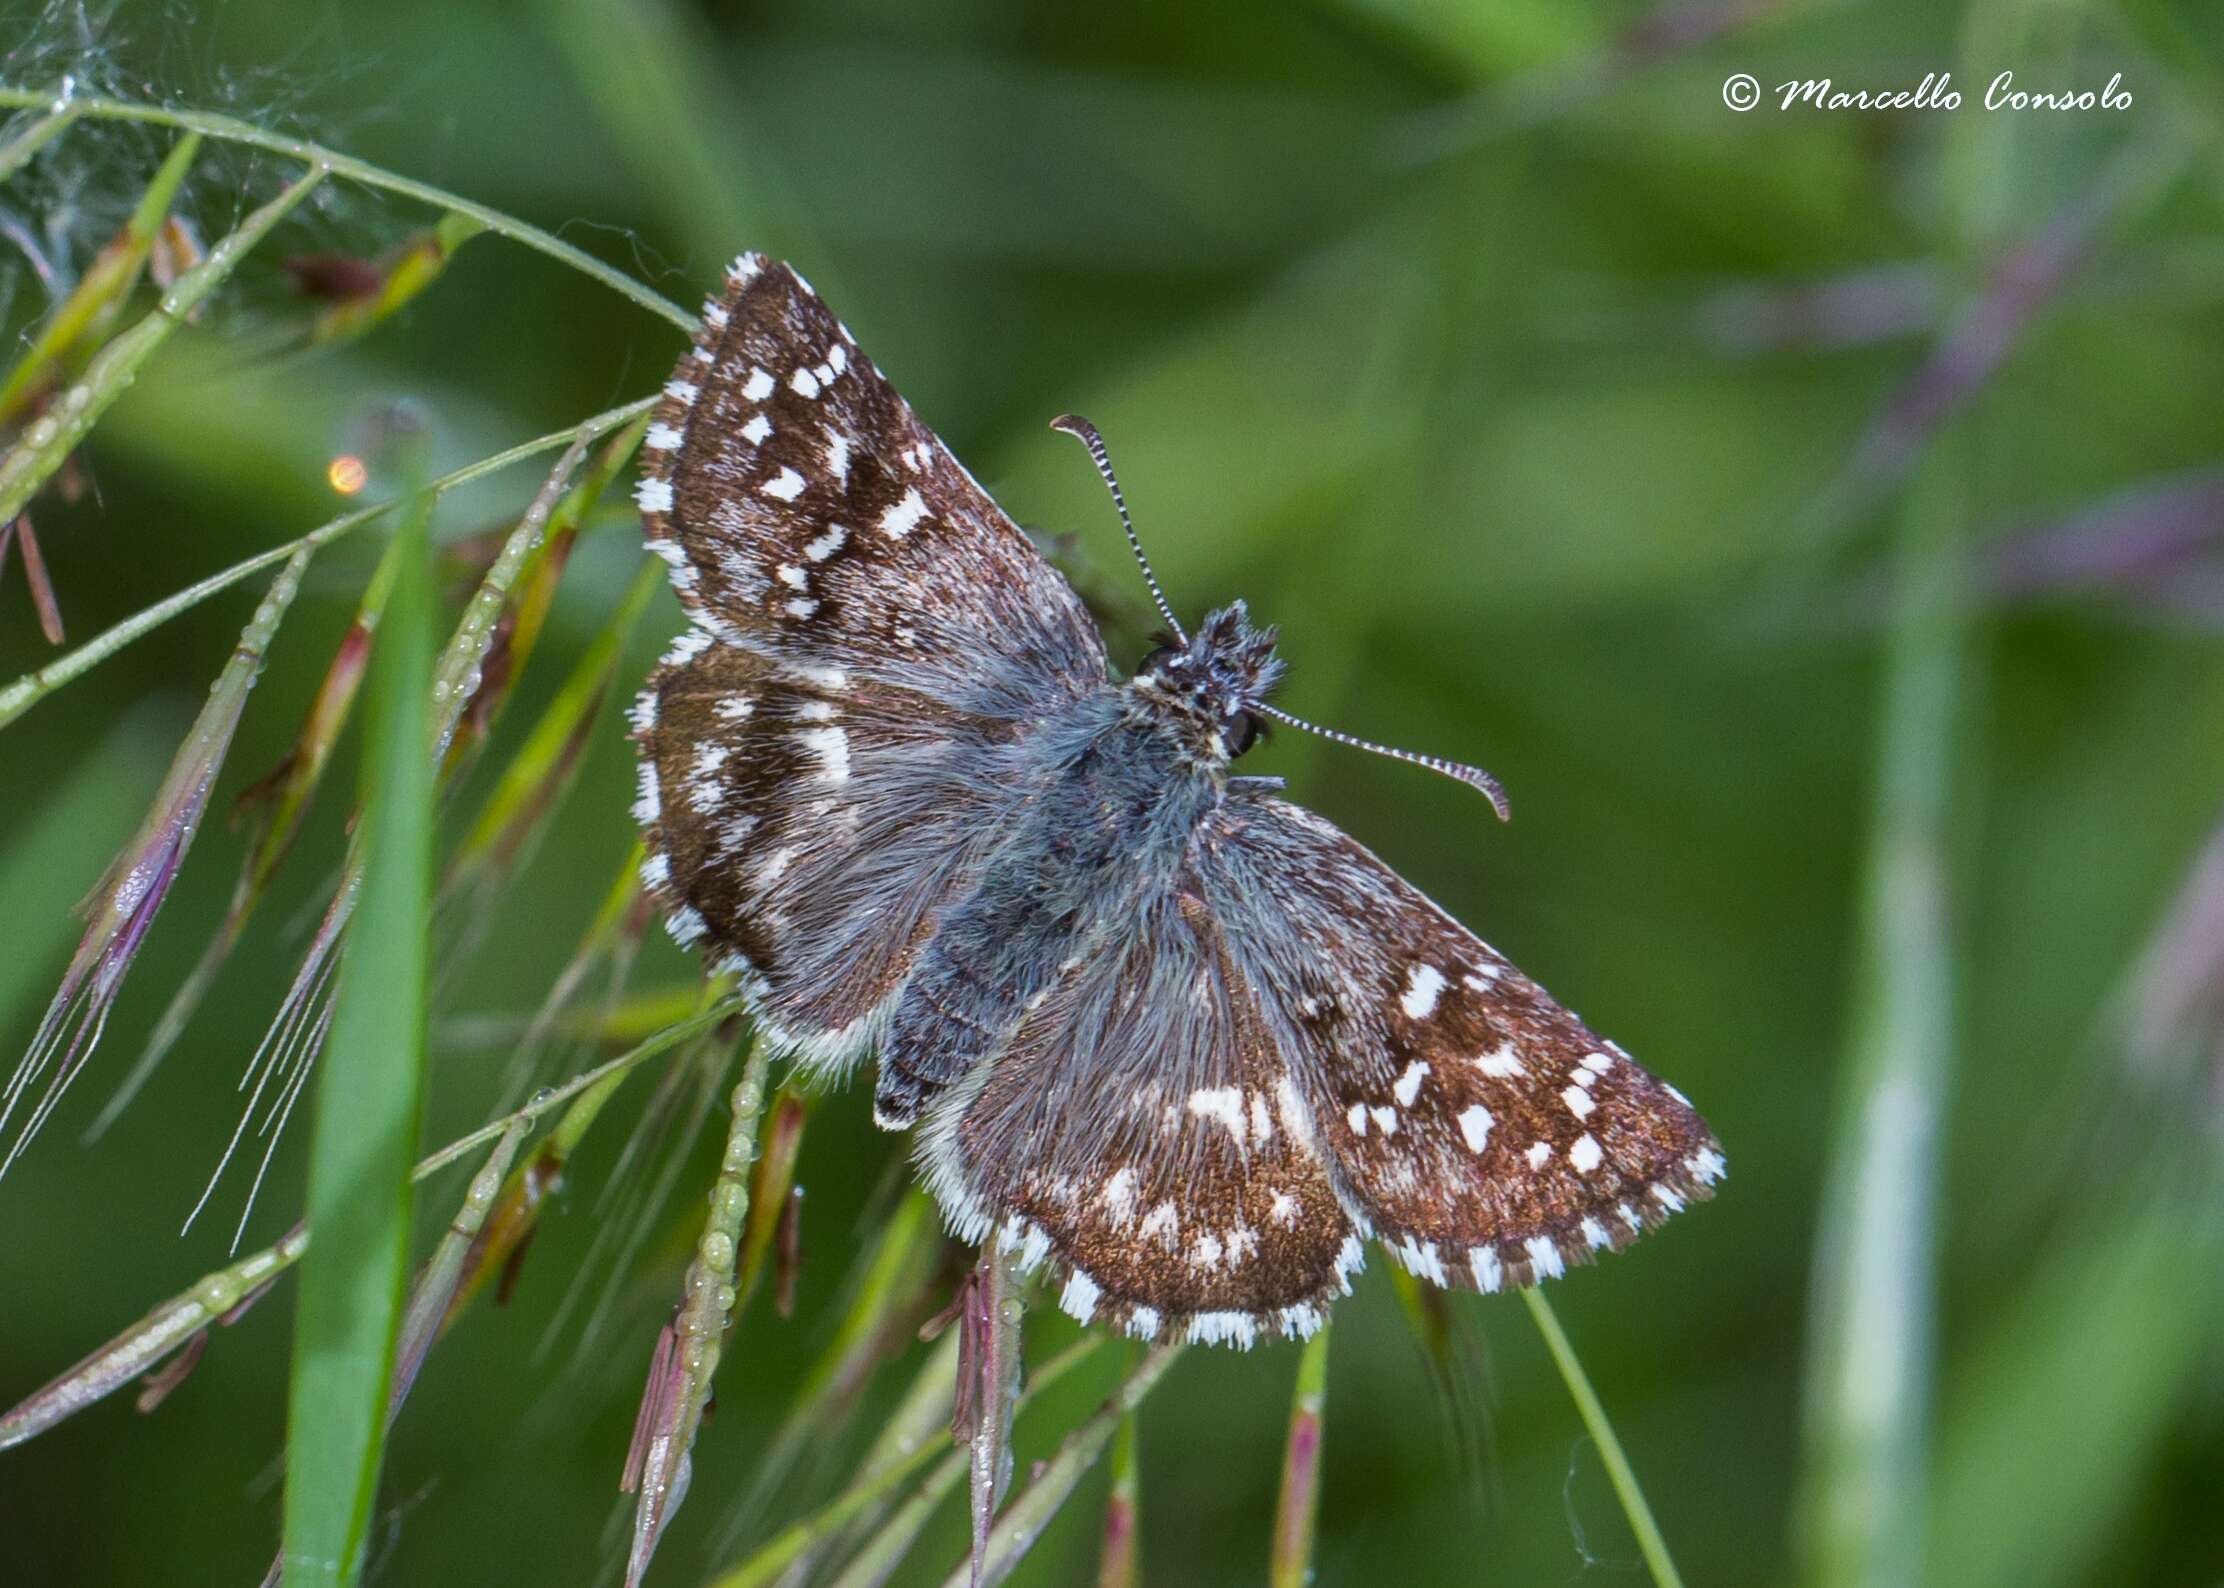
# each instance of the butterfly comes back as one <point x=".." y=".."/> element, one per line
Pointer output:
<point x="1150" y="1024"/>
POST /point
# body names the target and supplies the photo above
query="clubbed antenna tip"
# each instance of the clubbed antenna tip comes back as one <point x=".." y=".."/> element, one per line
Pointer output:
<point x="1473" y="776"/>
<point x="1075" y="425"/>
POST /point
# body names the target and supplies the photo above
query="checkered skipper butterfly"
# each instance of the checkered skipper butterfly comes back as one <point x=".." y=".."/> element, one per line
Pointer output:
<point x="1176" y="1036"/>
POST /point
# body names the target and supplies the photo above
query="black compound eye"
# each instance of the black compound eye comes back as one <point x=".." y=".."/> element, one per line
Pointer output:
<point x="1239" y="732"/>
<point x="1156" y="661"/>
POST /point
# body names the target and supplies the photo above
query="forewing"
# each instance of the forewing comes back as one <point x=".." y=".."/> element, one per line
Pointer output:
<point x="823" y="752"/>
<point x="807" y="512"/>
<point x="1139" y="1133"/>
<point x="1483" y="1133"/>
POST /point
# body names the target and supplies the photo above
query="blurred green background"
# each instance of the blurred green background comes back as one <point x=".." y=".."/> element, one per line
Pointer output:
<point x="1813" y="518"/>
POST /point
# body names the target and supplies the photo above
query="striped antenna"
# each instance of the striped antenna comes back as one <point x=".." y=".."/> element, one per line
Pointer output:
<point x="1473" y="776"/>
<point x="1075" y="425"/>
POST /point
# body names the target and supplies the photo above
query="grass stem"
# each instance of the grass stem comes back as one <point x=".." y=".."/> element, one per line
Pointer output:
<point x="1619" y="1472"/>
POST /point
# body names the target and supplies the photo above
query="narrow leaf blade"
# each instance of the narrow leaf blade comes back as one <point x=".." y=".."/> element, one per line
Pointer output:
<point x="365" y="1135"/>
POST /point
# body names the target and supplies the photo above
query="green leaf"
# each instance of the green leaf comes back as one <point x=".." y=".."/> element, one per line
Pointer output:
<point x="368" y="1093"/>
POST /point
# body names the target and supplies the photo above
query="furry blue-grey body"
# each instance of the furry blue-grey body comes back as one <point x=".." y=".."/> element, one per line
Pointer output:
<point x="1149" y="1023"/>
<point x="1112" y="794"/>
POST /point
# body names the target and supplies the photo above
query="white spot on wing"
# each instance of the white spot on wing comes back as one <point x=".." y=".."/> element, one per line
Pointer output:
<point x="655" y="496"/>
<point x="1423" y="985"/>
<point x="1408" y="1085"/>
<point x="1079" y="1297"/>
<point x="786" y="486"/>
<point x="1544" y="1257"/>
<point x="1474" y="1124"/>
<point x="1586" y="1154"/>
<point x="827" y="544"/>
<point x="757" y="430"/>
<point x="1579" y="1102"/>
<point x="904" y="517"/>
<point x="1224" y="1103"/>
<point x="1539" y="1151"/>
<point x="758" y="386"/>
<point x="1500" y="1062"/>
<point x="831" y="746"/>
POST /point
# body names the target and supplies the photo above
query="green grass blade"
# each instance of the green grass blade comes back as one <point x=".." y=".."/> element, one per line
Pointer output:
<point x="1619" y="1472"/>
<point x="1291" y="1565"/>
<point x="368" y="1097"/>
<point x="1868" y="1391"/>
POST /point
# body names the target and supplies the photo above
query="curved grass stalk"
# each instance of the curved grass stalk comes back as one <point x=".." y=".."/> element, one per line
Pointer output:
<point x="232" y="130"/>
<point x="1618" y="1470"/>
<point x="25" y="692"/>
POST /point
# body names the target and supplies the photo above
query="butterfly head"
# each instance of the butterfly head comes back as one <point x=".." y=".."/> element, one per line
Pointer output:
<point x="1209" y="691"/>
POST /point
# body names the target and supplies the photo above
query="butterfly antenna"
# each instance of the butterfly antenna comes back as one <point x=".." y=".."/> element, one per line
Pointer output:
<point x="1473" y="776"/>
<point x="1075" y="425"/>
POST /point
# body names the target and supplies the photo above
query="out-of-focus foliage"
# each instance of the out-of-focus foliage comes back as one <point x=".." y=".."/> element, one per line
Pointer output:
<point x="1566" y="420"/>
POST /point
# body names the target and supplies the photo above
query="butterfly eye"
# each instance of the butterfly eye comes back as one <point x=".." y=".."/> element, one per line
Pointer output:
<point x="1239" y="732"/>
<point x="1156" y="661"/>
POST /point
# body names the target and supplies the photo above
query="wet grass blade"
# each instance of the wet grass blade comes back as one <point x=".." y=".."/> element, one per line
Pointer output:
<point x="282" y="798"/>
<point x="50" y="438"/>
<point x="143" y="1345"/>
<point x="214" y="1297"/>
<point x="988" y="1387"/>
<point x="27" y="691"/>
<point x="99" y="294"/>
<point x="122" y="908"/>
<point x="687" y="1358"/>
<point x="1291" y="1565"/>
<point x="18" y="150"/>
<point x="368" y="1097"/>
<point x="1869" y="1371"/>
